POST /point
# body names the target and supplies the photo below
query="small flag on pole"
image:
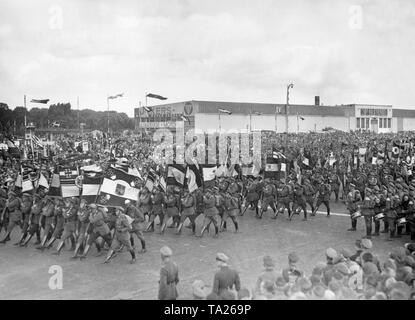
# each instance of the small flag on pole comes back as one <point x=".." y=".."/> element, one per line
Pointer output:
<point x="43" y="101"/>
<point x="184" y="118"/>
<point x="116" y="96"/>
<point x="224" y="111"/>
<point x="156" y="96"/>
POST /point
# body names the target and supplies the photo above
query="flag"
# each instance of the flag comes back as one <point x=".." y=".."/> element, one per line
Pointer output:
<point x="43" y="101"/>
<point x="42" y="182"/>
<point x="251" y="169"/>
<point x="176" y="174"/>
<point x="116" y="96"/>
<point x="278" y="155"/>
<point x="301" y="118"/>
<point x="156" y="96"/>
<point x="55" y="186"/>
<point x="37" y="141"/>
<point x="193" y="178"/>
<point x="67" y="177"/>
<point x="90" y="187"/>
<point x="148" y="109"/>
<point x="162" y="185"/>
<point x="224" y="111"/>
<point x="209" y="172"/>
<point x="118" y="186"/>
<point x="152" y="179"/>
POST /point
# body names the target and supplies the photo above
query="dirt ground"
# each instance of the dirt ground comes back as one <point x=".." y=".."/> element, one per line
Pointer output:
<point x="24" y="272"/>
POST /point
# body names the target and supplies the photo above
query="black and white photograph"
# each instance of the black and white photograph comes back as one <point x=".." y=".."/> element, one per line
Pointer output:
<point x="207" y="150"/>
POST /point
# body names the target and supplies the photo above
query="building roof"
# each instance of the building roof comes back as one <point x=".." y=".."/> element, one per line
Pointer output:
<point x="268" y="108"/>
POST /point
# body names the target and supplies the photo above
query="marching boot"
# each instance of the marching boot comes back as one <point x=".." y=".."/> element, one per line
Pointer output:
<point x="75" y="254"/>
<point x="59" y="248"/>
<point x="83" y="255"/>
<point x="256" y="211"/>
<point x="179" y="228"/>
<point x="38" y="241"/>
<point x="260" y="214"/>
<point x="50" y="243"/>
<point x="132" y="256"/>
<point x="290" y="215"/>
<point x="21" y="239"/>
<point x="150" y="227"/>
<point x="26" y="241"/>
<point x="42" y="245"/>
<point x="236" y="226"/>
<point x="305" y="216"/>
<point x="73" y="243"/>
<point x="193" y="228"/>
<point x="222" y="226"/>
<point x="328" y="213"/>
<point x="216" y="231"/>
<point x="109" y="256"/>
<point x="6" y="238"/>
<point x="143" y="246"/>
<point x="163" y="228"/>
<point x="132" y="240"/>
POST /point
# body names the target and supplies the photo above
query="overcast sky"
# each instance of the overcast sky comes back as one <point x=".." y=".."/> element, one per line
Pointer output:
<point x="225" y="50"/>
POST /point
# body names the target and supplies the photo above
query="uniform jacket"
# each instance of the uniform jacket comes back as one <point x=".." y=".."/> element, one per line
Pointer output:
<point x="98" y="221"/>
<point x="169" y="278"/>
<point x="225" y="279"/>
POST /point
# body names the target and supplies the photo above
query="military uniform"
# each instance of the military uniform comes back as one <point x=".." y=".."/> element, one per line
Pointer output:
<point x="226" y="278"/>
<point x="284" y="198"/>
<point x="231" y="209"/>
<point x="309" y="193"/>
<point x="391" y="215"/>
<point x="299" y="200"/>
<point x="122" y="236"/>
<point x="188" y="205"/>
<point x="169" y="277"/>
<point x="172" y="210"/>
<point x="367" y="209"/>
<point x="210" y="212"/>
<point x="268" y="199"/>
<point x="70" y="214"/>
<point x="324" y="197"/>
<point x="252" y="196"/>
<point x="47" y="212"/>
<point x="335" y="185"/>
<point x="144" y="202"/>
<point x="83" y="226"/>
<point x="26" y="207"/>
<point x="137" y="225"/>
<point x="97" y="218"/>
<point x="157" y="209"/>
<point x="13" y="205"/>
<point x="34" y="219"/>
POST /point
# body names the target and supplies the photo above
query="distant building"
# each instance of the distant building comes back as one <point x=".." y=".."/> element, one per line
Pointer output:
<point x="204" y="116"/>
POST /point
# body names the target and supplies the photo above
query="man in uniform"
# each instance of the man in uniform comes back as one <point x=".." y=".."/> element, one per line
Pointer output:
<point x="83" y="225"/>
<point x="169" y="276"/>
<point x="172" y="208"/>
<point x="157" y="208"/>
<point x="299" y="201"/>
<point x="284" y="200"/>
<point x="268" y="198"/>
<point x="367" y="212"/>
<point x="13" y="205"/>
<point x="100" y="228"/>
<point x="231" y="209"/>
<point x="252" y="196"/>
<point x="47" y="212"/>
<point x="122" y="235"/>
<point x="309" y="193"/>
<point x="225" y="278"/>
<point x="188" y="210"/>
<point x="391" y="204"/>
<point x="70" y="214"/>
<point x="144" y="201"/>
<point x="25" y="208"/>
<point x="323" y="196"/>
<point x="59" y="222"/>
<point x="137" y="225"/>
<point x="292" y="273"/>
<point x="352" y="200"/>
<point x="34" y="218"/>
<point x="335" y="184"/>
<point x="211" y="212"/>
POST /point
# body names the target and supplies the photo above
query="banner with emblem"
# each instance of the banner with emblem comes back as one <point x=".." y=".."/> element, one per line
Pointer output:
<point x="67" y="177"/>
<point x="90" y="187"/>
<point x="117" y="187"/>
<point x="176" y="174"/>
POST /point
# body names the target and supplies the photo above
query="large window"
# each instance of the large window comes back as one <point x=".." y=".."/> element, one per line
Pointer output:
<point x="358" y="123"/>
<point x="389" y="123"/>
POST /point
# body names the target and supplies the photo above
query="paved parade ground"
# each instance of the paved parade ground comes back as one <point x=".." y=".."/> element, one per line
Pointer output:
<point x="24" y="271"/>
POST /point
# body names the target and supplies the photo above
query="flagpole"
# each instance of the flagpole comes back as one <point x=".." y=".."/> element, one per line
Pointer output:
<point x="108" y="115"/>
<point x="77" y="102"/>
<point x="25" y="110"/>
